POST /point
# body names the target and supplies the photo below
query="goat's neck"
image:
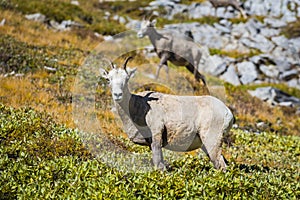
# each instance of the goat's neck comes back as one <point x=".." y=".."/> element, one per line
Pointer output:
<point x="123" y="106"/>
<point x="154" y="35"/>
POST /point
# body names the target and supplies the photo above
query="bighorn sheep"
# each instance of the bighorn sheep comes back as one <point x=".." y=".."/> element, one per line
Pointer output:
<point x="177" y="123"/>
<point x="225" y="3"/>
<point x="178" y="50"/>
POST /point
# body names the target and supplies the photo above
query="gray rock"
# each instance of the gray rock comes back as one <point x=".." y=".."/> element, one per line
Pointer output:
<point x="2" y="23"/>
<point x="216" y="66"/>
<point x="258" y="42"/>
<point x="178" y="8"/>
<point x="76" y="3"/>
<point x="108" y="38"/>
<point x="263" y="44"/>
<point x="288" y="75"/>
<point x="133" y="24"/>
<point x="269" y="70"/>
<point x="281" y="41"/>
<point x="289" y="17"/>
<point x="198" y="10"/>
<point x="295" y="42"/>
<point x="51" y="69"/>
<point x="234" y="45"/>
<point x="262" y="126"/>
<point x="231" y="76"/>
<point x="290" y="54"/>
<point x="275" y="96"/>
<point x="256" y="59"/>
<point x="221" y="28"/>
<point x="275" y="23"/>
<point x="247" y="71"/>
<point x="253" y="26"/>
<point x="256" y="7"/>
<point x="294" y="83"/>
<point x="36" y="17"/>
<point x="226" y="23"/>
<point x="275" y="8"/>
<point x="162" y="3"/>
<point x="269" y="32"/>
<point x="282" y="65"/>
<point x="238" y="30"/>
<point x="120" y="19"/>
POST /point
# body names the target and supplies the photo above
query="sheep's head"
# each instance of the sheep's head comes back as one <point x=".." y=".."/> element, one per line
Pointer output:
<point x="118" y="79"/>
<point x="145" y="27"/>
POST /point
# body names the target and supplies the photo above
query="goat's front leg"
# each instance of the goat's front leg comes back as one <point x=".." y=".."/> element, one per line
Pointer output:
<point x="157" y="155"/>
<point x="163" y="62"/>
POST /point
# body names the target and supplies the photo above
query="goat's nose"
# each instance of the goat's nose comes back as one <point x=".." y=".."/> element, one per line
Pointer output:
<point x="118" y="95"/>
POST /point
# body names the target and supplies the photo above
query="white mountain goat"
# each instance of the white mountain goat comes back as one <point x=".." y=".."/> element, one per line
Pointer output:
<point x="169" y="47"/>
<point x="177" y="123"/>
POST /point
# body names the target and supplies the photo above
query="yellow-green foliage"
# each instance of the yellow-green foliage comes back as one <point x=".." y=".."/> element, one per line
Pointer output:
<point x="129" y="8"/>
<point x="53" y="9"/>
<point x="234" y="53"/>
<point x="183" y="18"/>
<point x="58" y="10"/>
<point x="41" y="160"/>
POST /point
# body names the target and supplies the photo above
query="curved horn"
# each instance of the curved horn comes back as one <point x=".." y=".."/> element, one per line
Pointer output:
<point x="152" y="16"/>
<point x="126" y="61"/>
<point x="111" y="63"/>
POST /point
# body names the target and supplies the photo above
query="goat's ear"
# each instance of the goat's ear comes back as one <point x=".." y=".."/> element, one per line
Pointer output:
<point x="103" y="73"/>
<point x="131" y="72"/>
<point x="153" y="22"/>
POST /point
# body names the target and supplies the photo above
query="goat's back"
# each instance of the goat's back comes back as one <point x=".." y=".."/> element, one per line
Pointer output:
<point x="193" y="110"/>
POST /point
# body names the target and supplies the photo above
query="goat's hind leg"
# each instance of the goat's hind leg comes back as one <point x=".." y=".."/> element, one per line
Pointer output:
<point x="196" y="73"/>
<point x="213" y="150"/>
<point x="163" y="62"/>
<point x="215" y="156"/>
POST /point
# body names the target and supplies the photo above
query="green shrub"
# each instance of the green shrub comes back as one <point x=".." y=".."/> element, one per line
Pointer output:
<point x="41" y="160"/>
<point x="52" y="9"/>
<point x="21" y="57"/>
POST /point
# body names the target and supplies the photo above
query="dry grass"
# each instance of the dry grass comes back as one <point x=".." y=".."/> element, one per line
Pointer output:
<point x="33" y="91"/>
<point x="36" y="33"/>
<point x="249" y="111"/>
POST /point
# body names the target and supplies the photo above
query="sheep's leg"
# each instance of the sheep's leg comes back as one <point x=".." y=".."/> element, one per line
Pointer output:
<point x="196" y="73"/>
<point x="163" y="62"/>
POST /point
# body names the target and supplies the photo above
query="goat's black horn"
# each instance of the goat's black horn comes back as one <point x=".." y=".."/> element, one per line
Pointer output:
<point x="126" y="61"/>
<point x="152" y="16"/>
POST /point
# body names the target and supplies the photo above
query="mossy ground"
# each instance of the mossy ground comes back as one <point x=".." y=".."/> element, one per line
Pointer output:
<point x="43" y="155"/>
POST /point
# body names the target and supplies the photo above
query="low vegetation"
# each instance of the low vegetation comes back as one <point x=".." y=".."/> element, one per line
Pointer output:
<point x="42" y="159"/>
<point x="292" y="30"/>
